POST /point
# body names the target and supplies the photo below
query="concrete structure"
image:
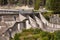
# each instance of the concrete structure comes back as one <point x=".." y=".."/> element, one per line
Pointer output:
<point x="55" y="19"/>
<point x="14" y="21"/>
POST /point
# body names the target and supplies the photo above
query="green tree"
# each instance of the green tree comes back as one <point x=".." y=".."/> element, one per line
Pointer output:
<point x="37" y="4"/>
<point x="11" y="2"/>
<point x="53" y="5"/>
<point x="1" y="2"/>
<point x="57" y="35"/>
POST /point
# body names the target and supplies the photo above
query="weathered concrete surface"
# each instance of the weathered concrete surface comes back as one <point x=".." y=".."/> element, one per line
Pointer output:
<point x="50" y="25"/>
<point x="21" y="17"/>
<point x="20" y="22"/>
<point x="32" y="22"/>
<point x="28" y="26"/>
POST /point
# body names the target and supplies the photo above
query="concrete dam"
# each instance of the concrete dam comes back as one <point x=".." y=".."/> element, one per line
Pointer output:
<point x="14" y="21"/>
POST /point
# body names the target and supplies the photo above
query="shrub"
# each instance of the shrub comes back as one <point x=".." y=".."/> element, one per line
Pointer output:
<point x="45" y="38"/>
<point x="38" y="36"/>
<point x="47" y="15"/>
<point x="16" y="37"/>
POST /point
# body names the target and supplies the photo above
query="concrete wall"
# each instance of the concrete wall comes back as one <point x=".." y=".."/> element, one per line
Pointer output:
<point x="9" y="17"/>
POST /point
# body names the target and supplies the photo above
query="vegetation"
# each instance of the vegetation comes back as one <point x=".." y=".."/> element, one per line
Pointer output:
<point x="57" y="35"/>
<point x="1" y="2"/>
<point x="31" y="34"/>
<point x="36" y="34"/>
<point x="37" y="4"/>
<point x="47" y="15"/>
<point x="53" y="5"/>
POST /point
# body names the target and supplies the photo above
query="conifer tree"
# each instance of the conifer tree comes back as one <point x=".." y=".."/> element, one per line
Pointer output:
<point x="37" y="4"/>
<point x="53" y="5"/>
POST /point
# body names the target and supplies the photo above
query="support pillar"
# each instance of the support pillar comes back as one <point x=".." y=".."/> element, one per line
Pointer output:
<point x="21" y="17"/>
<point x="2" y="19"/>
<point x="18" y="27"/>
<point x="28" y="26"/>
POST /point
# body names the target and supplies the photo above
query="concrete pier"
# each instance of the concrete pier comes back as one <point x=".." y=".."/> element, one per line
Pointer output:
<point x="28" y="26"/>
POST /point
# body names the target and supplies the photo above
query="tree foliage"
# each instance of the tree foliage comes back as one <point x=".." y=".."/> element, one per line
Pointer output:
<point x="1" y="2"/>
<point x="53" y="5"/>
<point x="37" y="4"/>
<point x="34" y="34"/>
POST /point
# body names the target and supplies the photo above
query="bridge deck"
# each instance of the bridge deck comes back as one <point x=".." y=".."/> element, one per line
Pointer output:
<point x="14" y="11"/>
